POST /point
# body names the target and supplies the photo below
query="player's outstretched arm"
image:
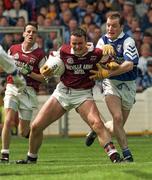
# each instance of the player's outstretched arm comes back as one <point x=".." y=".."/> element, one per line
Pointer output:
<point x="6" y="62"/>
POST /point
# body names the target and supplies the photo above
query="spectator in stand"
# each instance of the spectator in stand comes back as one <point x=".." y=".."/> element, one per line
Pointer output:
<point x="15" y="12"/>
<point x="44" y="11"/>
<point x="73" y="24"/>
<point x="52" y="12"/>
<point x="87" y="20"/>
<point x="146" y="80"/>
<point x="128" y="12"/>
<point x="147" y="38"/>
<point x="39" y="4"/>
<point x="17" y="38"/>
<point x="1" y="10"/>
<point x="3" y="23"/>
<point x="40" y="41"/>
<point x="134" y="23"/>
<point x="97" y="34"/>
<point x="146" y="21"/>
<point x="145" y="56"/>
<point x="20" y="22"/>
<point x="147" y="77"/>
<point x="129" y="9"/>
<point x="143" y="7"/>
<point x="101" y="10"/>
<point x="80" y="10"/>
<point x="117" y="5"/>
<point x="7" y="41"/>
<point x="66" y="17"/>
<point x="64" y="6"/>
<point x="7" y="4"/>
<point x="27" y="5"/>
<point x="47" y="22"/>
<point x="137" y="36"/>
<point x="40" y="19"/>
<point x="91" y="11"/>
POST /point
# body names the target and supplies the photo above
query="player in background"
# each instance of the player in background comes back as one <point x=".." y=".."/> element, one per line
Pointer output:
<point x="73" y="91"/>
<point x="28" y="58"/>
<point x="120" y="87"/>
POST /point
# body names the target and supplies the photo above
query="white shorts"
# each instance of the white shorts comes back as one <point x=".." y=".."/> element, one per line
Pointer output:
<point x="125" y="90"/>
<point x="22" y="101"/>
<point x="71" y="98"/>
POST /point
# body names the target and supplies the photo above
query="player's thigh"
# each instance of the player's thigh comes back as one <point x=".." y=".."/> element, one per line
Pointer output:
<point x="10" y="115"/>
<point x="89" y="112"/>
<point x="114" y="105"/>
<point x="50" y="112"/>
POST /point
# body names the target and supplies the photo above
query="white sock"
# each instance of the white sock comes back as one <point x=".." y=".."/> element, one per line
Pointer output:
<point x="32" y="155"/>
<point x="5" y="151"/>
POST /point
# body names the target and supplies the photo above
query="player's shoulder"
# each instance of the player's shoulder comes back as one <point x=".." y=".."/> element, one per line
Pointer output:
<point x="97" y="50"/>
<point x="15" y="46"/>
<point x="65" y="48"/>
<point x="39" y="52"/>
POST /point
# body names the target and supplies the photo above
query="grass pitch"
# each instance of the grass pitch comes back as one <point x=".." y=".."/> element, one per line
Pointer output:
<point x="69" y="159"/>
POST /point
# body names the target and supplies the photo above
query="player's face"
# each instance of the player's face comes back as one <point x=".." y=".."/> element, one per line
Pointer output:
<point x="30" y="34"/>
<point x="78" y="44"/>
<point x="113" y="28"/>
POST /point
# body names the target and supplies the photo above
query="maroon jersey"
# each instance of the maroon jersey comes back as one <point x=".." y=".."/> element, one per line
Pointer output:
<point x="77" y="69"/>
<point x="32" y="58"/>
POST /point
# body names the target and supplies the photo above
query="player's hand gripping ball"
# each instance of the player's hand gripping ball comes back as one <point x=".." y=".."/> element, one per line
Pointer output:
<point x="53" y="66"/>
<point x="101" y="73"/>
<point x="108" y="62"/>
<point x="108" y="49"/>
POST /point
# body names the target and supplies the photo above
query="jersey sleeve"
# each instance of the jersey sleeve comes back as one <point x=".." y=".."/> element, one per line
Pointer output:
<point x="130" y="51"/>
<point x="100" y="43"/>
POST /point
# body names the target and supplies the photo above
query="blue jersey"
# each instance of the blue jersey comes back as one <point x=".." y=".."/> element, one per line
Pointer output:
<point x="126" y="50"/>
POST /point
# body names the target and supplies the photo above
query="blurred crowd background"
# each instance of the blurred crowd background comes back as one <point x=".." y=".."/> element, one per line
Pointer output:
<point x="89" y="14"/>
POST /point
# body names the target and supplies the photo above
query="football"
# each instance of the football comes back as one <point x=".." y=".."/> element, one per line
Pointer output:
<point x="56" y="64"/>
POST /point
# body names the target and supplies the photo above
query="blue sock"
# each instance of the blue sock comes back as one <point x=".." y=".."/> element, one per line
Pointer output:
<point x="126" y="153"/>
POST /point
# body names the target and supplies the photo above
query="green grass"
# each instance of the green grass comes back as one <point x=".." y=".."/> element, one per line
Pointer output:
<point x="70" y="159"/>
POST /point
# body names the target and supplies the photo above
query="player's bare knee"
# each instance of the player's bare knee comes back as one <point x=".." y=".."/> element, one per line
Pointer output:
<point x="117" y="118"/>
<point x="97" y="125"/>
<point x="35" y="129"/>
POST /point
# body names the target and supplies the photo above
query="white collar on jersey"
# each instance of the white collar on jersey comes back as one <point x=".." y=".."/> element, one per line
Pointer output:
<point x="119" y="37"/>
<point x="35" y="46"/>
<point x="90" y="47"/>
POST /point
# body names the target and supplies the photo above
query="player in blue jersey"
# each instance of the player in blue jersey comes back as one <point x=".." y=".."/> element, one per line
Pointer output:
<point x="119" y="86"/>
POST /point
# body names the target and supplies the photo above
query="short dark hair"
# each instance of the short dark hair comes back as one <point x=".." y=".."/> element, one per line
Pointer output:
<point x="34" y="24"/>
<point x="79" y="32"/>
<point x="116" y="15"/>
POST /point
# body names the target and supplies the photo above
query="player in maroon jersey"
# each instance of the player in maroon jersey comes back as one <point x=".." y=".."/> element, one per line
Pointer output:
<point x="73" y="91"/>
<point x="28" y="58"/>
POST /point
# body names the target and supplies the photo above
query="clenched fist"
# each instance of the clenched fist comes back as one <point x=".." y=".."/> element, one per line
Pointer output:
<point x="112" y="65"/>
<point x="108" y="49"/>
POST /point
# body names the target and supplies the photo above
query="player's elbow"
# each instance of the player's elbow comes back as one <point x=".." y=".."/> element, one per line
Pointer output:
<point x="129" y="66"/>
